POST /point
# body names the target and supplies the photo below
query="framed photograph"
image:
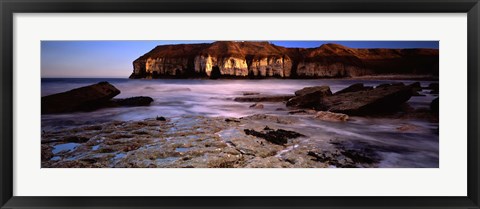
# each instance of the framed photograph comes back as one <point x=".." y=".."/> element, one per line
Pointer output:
<point x="239" y="104"/>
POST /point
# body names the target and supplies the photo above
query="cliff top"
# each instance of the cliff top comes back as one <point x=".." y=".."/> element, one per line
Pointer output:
<point x="243" y="49"/>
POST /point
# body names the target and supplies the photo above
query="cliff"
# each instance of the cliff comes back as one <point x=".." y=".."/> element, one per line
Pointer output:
<point x="261" y="59"/>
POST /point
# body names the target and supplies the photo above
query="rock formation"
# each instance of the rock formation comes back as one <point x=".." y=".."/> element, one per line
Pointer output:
<point x="80" y="99"/>
<point x="89" y="98"/>
<point x="247" y="59"/>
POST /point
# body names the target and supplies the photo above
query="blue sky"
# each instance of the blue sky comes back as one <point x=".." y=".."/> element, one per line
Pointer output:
<point x="113" y="59"/>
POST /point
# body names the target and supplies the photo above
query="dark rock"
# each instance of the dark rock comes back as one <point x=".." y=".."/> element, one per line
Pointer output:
<point x="86" y="98"/>
<point x="379" y="100"/>
<point x="272" y="98"/>
<point x="434" y="88"/>
<point x="325" y="90"/>
<point x="383" y="85"/>
<point x="46" y="152"/>
<point x="344" y="157"/>
<point x="354" y="88"/>
<point x="134" y="101"/>
<point x="416" y="87"/>
<point x="309" y="97"/>
<point x="416" y="94"/>
<point x="398" y="84"/>
<point x="232" y="120"/>
<point x="161" y="118"/>
<point x="75" y="139"/>
<point x="250" y="93"/>
<point x="434" y="105"/>
<point x="278" y="136"/>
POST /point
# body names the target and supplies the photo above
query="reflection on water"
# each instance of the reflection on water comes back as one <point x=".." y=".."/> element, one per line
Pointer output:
<point x="64" y="147"/>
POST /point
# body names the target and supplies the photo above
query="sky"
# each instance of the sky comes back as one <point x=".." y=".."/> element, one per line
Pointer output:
<point x="113" y="59"/>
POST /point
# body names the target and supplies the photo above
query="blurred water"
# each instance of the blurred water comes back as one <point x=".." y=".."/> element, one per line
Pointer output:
<point x="177" y="97"/>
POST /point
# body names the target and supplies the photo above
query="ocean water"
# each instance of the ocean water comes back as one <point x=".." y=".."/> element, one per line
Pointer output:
<point x="179" y="97"/>
<point x="175" y="97"/>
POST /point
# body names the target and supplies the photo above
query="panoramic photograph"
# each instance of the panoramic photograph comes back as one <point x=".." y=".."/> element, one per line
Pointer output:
<point x="239" y="104"/>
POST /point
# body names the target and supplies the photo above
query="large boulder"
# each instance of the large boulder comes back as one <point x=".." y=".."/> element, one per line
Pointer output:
<point x="375" y="101"/>
<point x="80" y="99"/>
<point x="354" y="88"/>
<point x="309" y="97"/>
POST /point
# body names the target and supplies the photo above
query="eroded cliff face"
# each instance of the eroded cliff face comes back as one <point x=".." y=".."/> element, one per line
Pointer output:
<point x="262" y="59"/>
<point x="227" y="66"/>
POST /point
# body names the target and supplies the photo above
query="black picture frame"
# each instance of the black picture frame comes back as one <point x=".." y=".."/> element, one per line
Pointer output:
<point x="10" y="7"/>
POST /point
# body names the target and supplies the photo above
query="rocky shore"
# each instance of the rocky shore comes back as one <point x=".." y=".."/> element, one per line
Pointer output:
<point x="302" y="139"/>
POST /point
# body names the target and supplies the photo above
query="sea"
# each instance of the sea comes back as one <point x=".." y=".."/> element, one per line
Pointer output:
<point x="181" y="97"/>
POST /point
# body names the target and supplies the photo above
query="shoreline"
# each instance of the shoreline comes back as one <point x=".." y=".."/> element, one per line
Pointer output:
<point x="359" y="126"/>
<point x="224" y="142"/>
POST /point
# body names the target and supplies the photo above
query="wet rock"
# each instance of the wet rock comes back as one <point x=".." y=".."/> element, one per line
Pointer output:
<point x="434" y="105"/>
<point x="257" y="106"/>
<point x="416" y="94"/>
<point x="324" y="90"/>
<point x="434" y="87"/>
<point x="271" y="118"/>
<point x="354" y="88"/>
<point x="133" y="101"/>
<point x="278" y="136"/>
<point x="86" y="98"/>
<point x="76" y="139"/>
<point x="377" y="101"/>
<point x="232" y="120"/>
<point x="250" y="93"/>
<point x="383" y="85"/>
<point x="416" y="87"/>
<point x="330" y="116"/>
<point x="346" y="158"/>
<point x="264" y="98"/>
<point x="309" y="97"/>
<point x="161" y="118"/>
<point x="303" y="111"/>
<point x="46" y="152"/>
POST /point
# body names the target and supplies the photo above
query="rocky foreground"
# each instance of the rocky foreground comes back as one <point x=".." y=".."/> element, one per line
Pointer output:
<point x="250" y="59"/>
<point x="256" y="141"/>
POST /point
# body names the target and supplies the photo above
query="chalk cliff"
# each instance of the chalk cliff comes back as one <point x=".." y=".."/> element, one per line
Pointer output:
<point x="249" y="59"/>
